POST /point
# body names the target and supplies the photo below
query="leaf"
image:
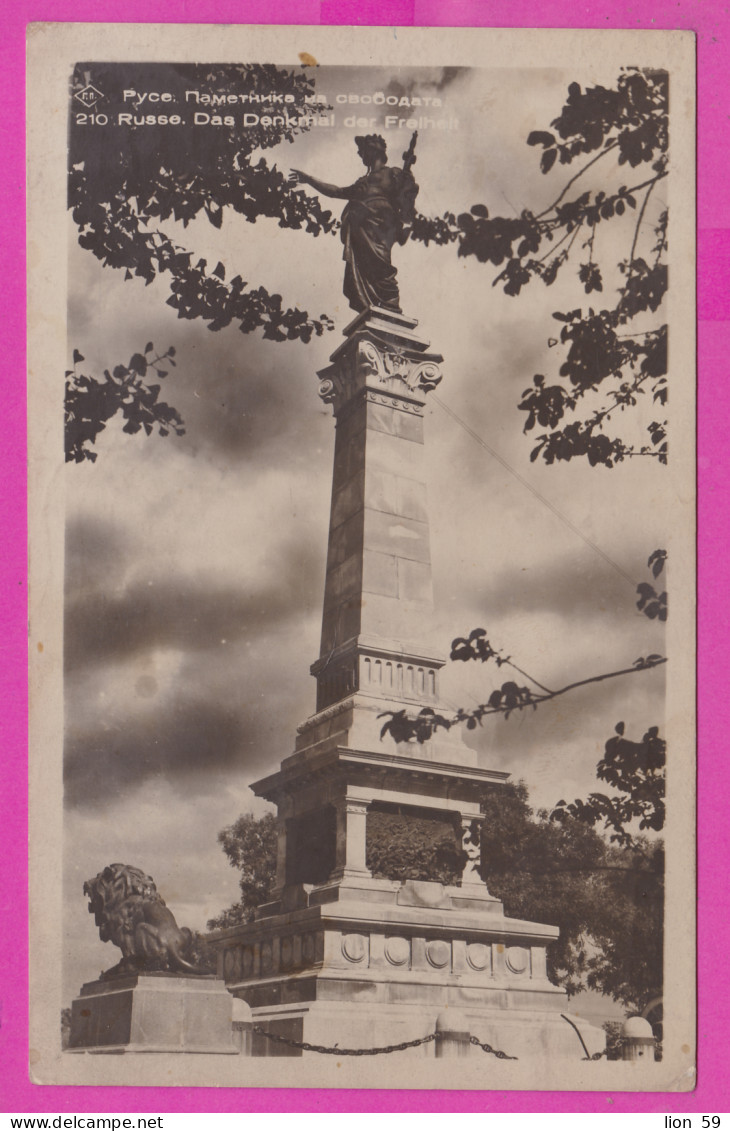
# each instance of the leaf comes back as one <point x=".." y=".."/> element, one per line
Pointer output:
<point x="149" y="348"/>
<point x="138" y="364"/>
<point x="214" y="215"/>
<point x="479" y="210"/>
<point x="219" y="270"/>
<point x="78" y="357"/>
<point x="657" y="561"/>
<point x="540" y="137"/>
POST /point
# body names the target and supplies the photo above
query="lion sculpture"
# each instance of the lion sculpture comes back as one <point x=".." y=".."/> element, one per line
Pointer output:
<point x="130" y="912"/>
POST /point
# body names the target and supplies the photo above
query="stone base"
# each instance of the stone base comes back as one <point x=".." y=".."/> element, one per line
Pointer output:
<point x="375" y="963"/>
<point x="153" y="1012"/>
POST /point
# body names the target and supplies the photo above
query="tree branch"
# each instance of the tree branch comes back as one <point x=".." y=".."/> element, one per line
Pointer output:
<point x="552" y="250"/>
<point x="530" y="677"/>
<point x="600" y="678"/>
<point x="640" y="219"/>
<point x="603" y="414"/>
<point x="403" y="727"/>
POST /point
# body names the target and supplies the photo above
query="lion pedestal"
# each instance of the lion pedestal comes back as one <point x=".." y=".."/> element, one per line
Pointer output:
<point x="155" y="1012"/>
<point x="156" y="999"/>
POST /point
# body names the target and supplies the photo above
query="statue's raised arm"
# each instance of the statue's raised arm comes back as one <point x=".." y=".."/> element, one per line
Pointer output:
<point x="299" y="177"/>
<point x="380" y="206"/>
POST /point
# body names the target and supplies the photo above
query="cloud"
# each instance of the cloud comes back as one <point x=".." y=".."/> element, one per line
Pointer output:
<point x="189" y="739"/>
<point x="97" y="553"/>
<point x="572" y="585"/>
<point x="186" y="614"/>
<point x="242" y="401"/>
<point x="423" y="81"/>
<point x="182" y="678"/>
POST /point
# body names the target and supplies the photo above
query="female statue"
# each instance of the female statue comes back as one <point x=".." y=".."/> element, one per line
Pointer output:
<point x="380" y="205"/>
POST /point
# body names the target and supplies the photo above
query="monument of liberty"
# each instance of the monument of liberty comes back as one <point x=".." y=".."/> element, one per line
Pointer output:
<point x="339" y="956"/>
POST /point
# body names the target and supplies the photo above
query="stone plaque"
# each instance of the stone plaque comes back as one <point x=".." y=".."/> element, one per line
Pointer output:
<point x="478" y="956"/>
<point x="397" y="951"/>
<point x="354" y="947"/>
<point x="438" y="953"/>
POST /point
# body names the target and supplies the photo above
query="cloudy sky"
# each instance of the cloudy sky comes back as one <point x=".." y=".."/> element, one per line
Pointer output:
<point x="195" y="565"/>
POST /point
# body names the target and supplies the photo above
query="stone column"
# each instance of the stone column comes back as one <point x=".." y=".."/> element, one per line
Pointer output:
<point x="350" y="846"/>
<point x="378" y="594"/>
<point x="280" y="881"/>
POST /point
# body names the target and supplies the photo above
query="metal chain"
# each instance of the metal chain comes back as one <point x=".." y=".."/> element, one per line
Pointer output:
<point x="335" y="1051"/>
<point x="488" y="1048"/>
<point x="588" y="1056"/>
<point x="342" y="1052"/>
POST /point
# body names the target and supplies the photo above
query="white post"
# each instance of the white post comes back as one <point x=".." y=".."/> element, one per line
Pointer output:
<point x="638" y="1041"/>
<point x="452" y="1034"/>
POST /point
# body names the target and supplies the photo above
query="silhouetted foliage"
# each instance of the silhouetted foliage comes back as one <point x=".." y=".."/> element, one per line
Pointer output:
<point x="65" y="1026"/>
<point x="202" y="955"/>
<point x="402" y="726"/>
<point x="605" y="355"/>
<point x="250" y="845"/>
<point x="124" y="183"/>
<point x="637" y="771"/>
<point x="612" y="1029"/>
<point x="407" y="846"/>
<point x="607" y="900"/>
<point x="651" y="603"/>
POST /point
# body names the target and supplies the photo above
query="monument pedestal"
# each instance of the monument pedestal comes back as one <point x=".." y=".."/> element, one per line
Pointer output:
<point x="153" y="1012"/>
<point x="339" y="957"/>
<point x="376" y="965"/>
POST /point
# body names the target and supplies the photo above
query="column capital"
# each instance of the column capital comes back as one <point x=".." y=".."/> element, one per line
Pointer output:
<point x="381" y="357"/>
<point x="352" y="805"/>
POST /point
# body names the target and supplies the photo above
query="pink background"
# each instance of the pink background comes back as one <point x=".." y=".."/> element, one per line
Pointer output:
<point x="710" y="20"/>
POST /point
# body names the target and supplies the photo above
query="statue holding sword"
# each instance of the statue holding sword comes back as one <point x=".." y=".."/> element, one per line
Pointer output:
<point x="380" y="206"/>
